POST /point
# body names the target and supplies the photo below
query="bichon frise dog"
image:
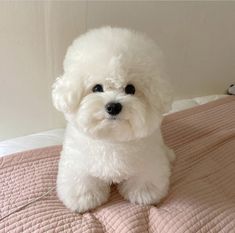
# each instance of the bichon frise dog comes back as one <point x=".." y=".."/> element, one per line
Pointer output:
<point x="113" y="96"/>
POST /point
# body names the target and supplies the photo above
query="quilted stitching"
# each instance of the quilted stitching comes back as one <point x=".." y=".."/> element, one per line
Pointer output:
<point x="201" y="199"/>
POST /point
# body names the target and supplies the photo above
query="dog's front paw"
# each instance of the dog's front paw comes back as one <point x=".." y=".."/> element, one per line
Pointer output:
<point x="144" y="194"/>
<point x="84" y="195"/>
<point x="87" y="201"/>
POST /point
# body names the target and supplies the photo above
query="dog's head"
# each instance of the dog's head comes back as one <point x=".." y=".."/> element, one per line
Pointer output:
<point x="112" y="87"/>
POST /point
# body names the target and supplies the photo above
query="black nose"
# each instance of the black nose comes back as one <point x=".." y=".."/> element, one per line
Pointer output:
<point x="113" y="108"/>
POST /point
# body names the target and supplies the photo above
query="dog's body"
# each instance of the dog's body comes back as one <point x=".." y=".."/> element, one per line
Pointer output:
<point x="113" y="96"/>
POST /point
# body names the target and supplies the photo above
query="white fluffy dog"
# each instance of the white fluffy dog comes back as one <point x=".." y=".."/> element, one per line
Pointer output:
<point x="113" y="97"/>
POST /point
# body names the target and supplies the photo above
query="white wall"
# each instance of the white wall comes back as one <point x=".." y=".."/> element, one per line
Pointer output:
<point x="197" y="37"/>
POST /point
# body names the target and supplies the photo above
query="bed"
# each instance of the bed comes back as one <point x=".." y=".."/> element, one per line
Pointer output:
<point x="32" y="141"/>
<point x="201" y="197"/>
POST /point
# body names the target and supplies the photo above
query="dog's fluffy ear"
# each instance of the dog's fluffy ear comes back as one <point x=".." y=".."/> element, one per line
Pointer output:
<point x="66" y="94"/>
<point x="160" y="95"/>
<point x="165" y="95"/>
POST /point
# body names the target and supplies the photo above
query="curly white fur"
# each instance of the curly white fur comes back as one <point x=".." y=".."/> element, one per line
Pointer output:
<point x="126" y="149"/>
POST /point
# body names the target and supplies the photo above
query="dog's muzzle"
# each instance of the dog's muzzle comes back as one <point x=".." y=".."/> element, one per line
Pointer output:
<point x="113" y="109"/>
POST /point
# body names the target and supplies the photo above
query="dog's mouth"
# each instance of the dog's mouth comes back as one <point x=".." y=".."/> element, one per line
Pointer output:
<point x="112" y="118"/>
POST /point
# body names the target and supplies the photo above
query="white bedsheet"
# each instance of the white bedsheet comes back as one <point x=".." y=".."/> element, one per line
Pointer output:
<point x="38" y="140"/>
<point x="179" y="105"/>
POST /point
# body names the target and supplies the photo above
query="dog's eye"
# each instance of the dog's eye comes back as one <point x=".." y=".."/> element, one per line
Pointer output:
<point x="231" y="85"/>
<point x="97" y="88"/>
<point x="130" y="89"/>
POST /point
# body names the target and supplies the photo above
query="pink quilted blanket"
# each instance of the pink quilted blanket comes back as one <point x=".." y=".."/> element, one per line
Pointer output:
<point x="201" y="198"/>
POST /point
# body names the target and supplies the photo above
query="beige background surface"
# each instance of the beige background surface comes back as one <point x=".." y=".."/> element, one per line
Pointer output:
<point x="198" y="39"/>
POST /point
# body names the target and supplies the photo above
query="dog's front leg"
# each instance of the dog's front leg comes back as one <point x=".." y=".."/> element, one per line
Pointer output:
<point x="81" y="193"/>
<point x="145" y="188"/>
